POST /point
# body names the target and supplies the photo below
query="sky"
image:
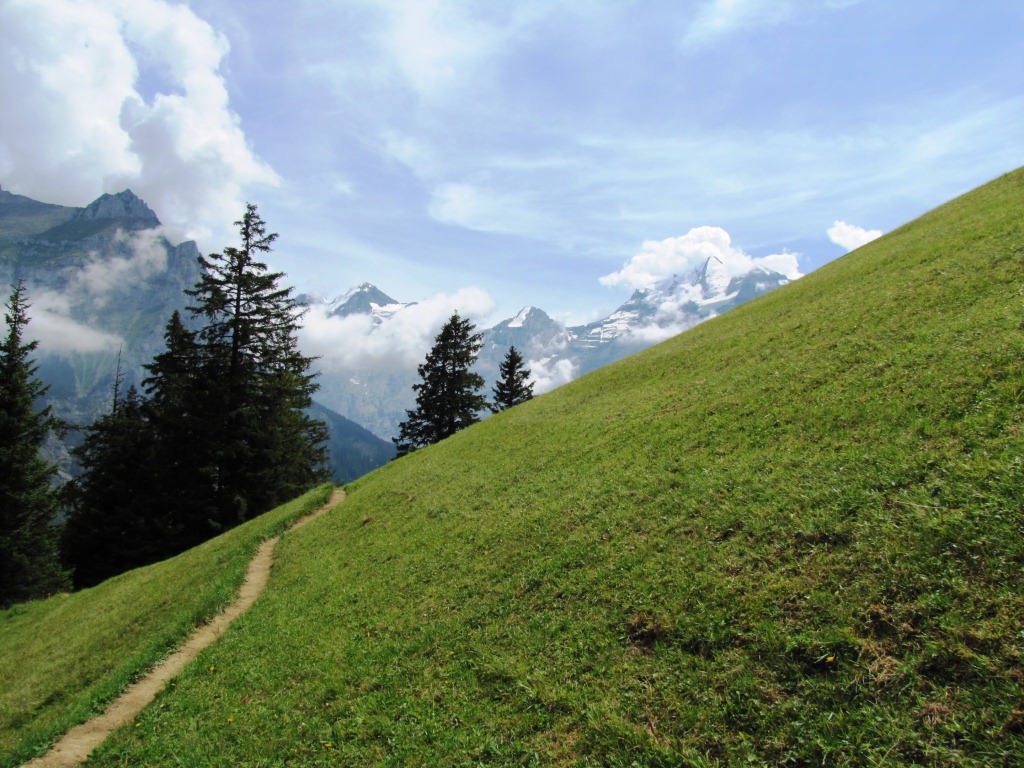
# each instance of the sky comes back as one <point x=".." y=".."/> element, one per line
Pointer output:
<point x="493" y="155"/>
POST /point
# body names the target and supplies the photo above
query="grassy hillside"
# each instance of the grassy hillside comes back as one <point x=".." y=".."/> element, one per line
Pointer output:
<point x="789" y="536"/>
<point x="64" y="659"/>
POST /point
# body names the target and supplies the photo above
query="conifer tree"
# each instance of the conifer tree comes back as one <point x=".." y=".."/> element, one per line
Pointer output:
<point x="447" y="397"/>
<point x="29" y="561"/>
<point x="182" y="422"/>
<point x="513" y="387"/>
<point x="257" y="381"/>
<point x="113" y="523"/>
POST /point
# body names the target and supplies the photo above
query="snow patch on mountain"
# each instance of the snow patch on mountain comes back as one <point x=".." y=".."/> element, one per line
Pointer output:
<point x="519" y="320"/>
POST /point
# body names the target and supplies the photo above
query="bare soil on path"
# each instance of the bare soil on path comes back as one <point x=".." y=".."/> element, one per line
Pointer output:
<point x="78" y="743"/>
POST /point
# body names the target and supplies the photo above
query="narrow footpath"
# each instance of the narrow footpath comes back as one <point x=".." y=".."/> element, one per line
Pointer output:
<point x="78" y="743"/>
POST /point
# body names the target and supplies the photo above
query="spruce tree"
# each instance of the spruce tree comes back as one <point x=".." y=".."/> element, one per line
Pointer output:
<point x="513" y="387"/>
<point x="113" y="523"/>
<point x="257" y="381"/>
<point x="182" y="424"/>
<point x="447" y="397"/>
<point x="29" y="562"/>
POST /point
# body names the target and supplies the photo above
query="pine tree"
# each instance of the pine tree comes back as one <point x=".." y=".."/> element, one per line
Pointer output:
<point x="113" y="523"/>
<point x="257" y="381"/>
<point x="448" y="398"/>
<point x="29" y="562"/>
<point x="513" y="387"/>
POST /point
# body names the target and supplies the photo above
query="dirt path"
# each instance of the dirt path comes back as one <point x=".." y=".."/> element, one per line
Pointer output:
<point x="79" y="742"/>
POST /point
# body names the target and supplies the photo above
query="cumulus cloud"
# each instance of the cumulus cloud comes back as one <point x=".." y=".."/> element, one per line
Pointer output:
<point x="401" y="342"/>
<point x="658" y="260"/>
<point x="850" y="236"/>
<point x="666" y="325"/>
<point x="100" y="96"/>
<point x="551" y="372"/>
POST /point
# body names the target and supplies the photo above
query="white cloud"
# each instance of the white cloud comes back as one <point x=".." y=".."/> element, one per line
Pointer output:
<point x="125" y="93"/>
<point x="61" y="320"/>
<point x="432" y="43"/>
<point x="439" y="46"/>
<point x="146" y="256"/>
<point x="682" y="255"/>
<point x="458" y="204"/>
<point x="850" y="236"/>
<point x="548" y="373"/>
<point x="401" y="342"/>
<point x="57" y="333"/>
<point x="656" y="332"/>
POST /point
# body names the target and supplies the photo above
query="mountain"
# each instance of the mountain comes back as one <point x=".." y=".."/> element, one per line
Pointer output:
<point x="353" y="450"/>
<point x="790" y="535"/>
<point x="379" y="397"/>
<point x="675" y="304"/>
<point x="363" y="299"/>
<point x="103" y="280"/>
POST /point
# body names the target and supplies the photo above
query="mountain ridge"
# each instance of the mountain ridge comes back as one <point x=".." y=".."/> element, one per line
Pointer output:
<point x="556" y="353"/>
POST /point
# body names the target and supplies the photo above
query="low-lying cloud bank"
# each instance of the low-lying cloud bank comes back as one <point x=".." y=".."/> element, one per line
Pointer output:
<point x="550" y="373"/>
<point x="51" y="324"/>
<point x="56" y="317"/>
<point x="400" y="342"/>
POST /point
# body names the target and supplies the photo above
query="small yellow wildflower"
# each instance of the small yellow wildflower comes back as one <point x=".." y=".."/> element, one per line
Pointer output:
<point x="138" y="725"/>
<point x="231" y="719"/>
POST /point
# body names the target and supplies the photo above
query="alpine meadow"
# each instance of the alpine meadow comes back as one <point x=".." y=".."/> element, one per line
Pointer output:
<point x="792" y="535"/>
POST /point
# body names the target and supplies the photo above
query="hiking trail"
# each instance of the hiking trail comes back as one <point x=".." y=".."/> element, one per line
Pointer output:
<point x="76" y="745"/>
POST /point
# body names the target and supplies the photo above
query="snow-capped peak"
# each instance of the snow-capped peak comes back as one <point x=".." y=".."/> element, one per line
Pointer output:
<point x="518" y="320"/>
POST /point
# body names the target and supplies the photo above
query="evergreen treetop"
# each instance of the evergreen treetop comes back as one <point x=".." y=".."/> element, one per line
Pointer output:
<point x="513" y="385"/>
<point x="29" y="564"/>
<point x="256" y="381"/>
<point x="447" y="397"/>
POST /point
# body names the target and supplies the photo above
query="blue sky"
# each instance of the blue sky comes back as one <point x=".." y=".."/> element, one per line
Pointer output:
<point x="504" y="154"/>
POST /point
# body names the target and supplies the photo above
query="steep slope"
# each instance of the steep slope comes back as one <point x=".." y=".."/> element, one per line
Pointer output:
<point x="790" y="535"/>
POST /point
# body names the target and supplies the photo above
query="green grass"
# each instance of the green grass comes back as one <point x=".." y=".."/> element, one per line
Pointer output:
<point x="64" y="659"/>
<point x="793" y="535"/>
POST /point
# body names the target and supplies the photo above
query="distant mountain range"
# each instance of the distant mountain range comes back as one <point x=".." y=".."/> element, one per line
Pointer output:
<point x="379" y="397"/>
<point x="102" y="282"/>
